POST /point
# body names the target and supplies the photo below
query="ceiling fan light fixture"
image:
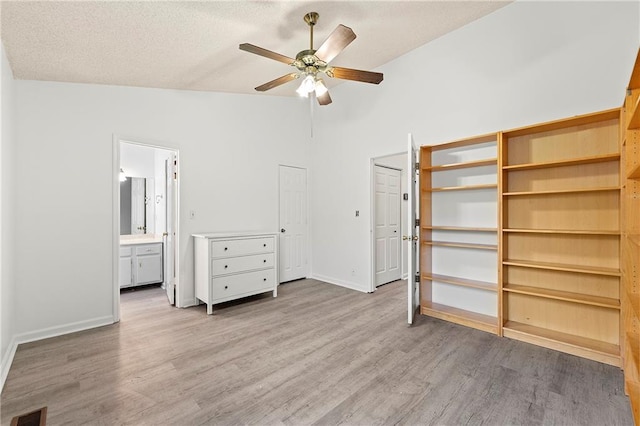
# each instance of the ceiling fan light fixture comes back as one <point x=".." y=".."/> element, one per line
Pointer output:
<point x="321" y="89"/>
<point x="307" y="86"/>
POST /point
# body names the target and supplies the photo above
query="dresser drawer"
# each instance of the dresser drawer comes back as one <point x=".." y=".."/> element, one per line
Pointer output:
<point x="125" y="251"/>
<point x="242" y="247"/>
<point x="248" y="283"/>
<point x="232" y="265"/>
<point x="148" y="249"/>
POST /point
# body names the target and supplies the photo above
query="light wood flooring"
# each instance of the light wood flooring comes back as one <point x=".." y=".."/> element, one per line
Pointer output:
<point x="317" y="354"/>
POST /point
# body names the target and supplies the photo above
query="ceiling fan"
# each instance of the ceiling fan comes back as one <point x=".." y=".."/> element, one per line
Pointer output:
<point x="311" y="63"/>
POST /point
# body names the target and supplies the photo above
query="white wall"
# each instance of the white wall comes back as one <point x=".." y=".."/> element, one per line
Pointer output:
<point x="6" y="217"/>
<point x="525" y="63"/>
<point x="138" y="160"/>
<point x="230" y="147"/>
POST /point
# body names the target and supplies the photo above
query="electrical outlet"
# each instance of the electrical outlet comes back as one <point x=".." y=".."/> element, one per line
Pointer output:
<point x="357" y="213"/>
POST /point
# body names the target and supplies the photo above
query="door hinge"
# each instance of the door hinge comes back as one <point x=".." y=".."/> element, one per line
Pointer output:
<point x="416" y="278"/>
<point x="417" y="223"/>
<point x="417" y="166"/>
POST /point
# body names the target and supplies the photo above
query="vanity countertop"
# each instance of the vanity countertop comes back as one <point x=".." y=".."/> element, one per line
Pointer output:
<point x="139" y="239"/>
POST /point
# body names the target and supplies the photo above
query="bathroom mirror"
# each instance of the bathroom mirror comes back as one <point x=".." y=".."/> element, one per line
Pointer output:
<point x="136" y="206"/>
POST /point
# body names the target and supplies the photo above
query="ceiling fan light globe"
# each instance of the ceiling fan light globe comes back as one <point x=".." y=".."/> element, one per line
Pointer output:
<point x="307" y="86"/>
<point x="300" y="91"/>
<point x="320" y="88"/>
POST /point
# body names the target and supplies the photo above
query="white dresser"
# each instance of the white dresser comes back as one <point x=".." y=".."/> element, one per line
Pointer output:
<point x="231" y="266"/>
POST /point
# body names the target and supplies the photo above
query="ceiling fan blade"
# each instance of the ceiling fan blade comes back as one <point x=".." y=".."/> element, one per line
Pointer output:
<point x="266" y="53"/>
<point x="277" y="82"/>
<point x="335" y="43"/>
<point x="355" y="75"/>
<point x="324" y="99"/>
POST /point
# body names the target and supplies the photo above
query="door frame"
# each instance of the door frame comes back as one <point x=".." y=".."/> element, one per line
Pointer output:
<point x="372" y="217"/>
<point x="115" y="203"/>
<point x="308" y="242"/>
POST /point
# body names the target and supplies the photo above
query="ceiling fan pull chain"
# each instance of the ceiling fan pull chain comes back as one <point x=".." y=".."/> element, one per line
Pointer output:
<point x="311" y="115"/>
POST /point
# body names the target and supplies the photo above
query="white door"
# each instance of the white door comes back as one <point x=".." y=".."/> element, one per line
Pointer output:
<point x="413" y="231"/>
<point x="387" y="228"/>
<point x="171" y="170"/>
<point x="293" y="223"/>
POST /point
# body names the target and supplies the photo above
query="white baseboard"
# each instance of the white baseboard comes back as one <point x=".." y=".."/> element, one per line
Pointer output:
<point x="341" y="283"/>
<point x="7" y="360"/>
<point x="46" y="333"/>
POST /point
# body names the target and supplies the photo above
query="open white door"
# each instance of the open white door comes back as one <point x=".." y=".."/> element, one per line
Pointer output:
<point x="412" y="230"/>
<point x="171" y="166"/>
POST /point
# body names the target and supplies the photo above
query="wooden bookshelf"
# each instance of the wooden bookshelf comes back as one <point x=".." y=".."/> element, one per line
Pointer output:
<point x="448" y="290"/>
<point x="560" y="220"/>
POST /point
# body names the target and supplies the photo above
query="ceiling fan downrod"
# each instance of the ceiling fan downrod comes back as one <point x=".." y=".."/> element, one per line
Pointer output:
<point x="311" y="18"/>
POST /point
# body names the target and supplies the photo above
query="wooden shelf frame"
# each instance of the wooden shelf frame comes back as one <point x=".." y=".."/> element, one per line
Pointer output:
<point x="581" y="269"/>
<point x="634" y="239"/>
<point x="584" y="299"/>
<point x="463" y="188"/>
<point x="463" y="165"/>
<point x="606" y="352"/>
<point x="563" y="163"/>
<point x="460" y="228"/>
<point x="463" y="282"/>
<point x="634" y="121"/>
<point x="563" y="191"/>
<point x="580" y="120"/>
<point x="634" y="173"/>
<point x="461" y="245"/>
<point x="460" y="316"/>
<point x="560" y="231"/>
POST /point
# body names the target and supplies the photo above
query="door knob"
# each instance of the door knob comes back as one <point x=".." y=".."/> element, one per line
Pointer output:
<point x="405" y="238"/>
<point x="283" y="230"/>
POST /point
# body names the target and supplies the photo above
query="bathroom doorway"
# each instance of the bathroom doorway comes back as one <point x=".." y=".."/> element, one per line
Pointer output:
<point x="146" y="209"/>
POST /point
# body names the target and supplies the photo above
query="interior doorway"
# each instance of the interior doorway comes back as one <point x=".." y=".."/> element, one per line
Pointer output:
<point x="294" y="230"/>
<point x="146" y="209"/>
<point x="388" y="210"/>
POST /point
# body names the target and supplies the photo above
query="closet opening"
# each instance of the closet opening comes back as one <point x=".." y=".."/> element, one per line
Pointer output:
<point x="388" y="224"/>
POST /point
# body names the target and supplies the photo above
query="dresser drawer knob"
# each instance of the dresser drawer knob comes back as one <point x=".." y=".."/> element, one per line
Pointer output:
<point x="264" y="245"/>
<point x="226" y="266"/>
<point x="264" y="279"/>
<point x="264" y="261"/>
<point x="226" y="248"/>
<point x="226" y="287"/>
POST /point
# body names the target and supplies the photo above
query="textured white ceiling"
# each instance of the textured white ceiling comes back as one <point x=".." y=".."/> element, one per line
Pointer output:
<point x="194" y="45"/>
